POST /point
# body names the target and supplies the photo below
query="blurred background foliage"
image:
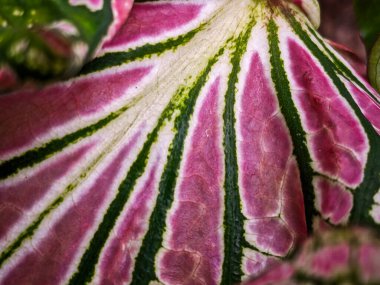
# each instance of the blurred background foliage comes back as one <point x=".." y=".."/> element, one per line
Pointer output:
<point x="355" y="24"/>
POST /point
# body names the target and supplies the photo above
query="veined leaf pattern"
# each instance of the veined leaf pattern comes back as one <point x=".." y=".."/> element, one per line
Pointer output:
<point x="195" y="149"/>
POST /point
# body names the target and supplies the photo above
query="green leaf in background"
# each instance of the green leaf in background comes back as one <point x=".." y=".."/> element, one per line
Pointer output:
<point x="52" y="39"/>
<point x="374" y="65"/>
<point x="368" y="18"/>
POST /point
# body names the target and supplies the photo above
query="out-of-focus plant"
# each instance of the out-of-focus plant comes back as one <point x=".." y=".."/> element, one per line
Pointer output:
<point x="344" y="256"/>
<point x="44" y="40"/>
<point x="368" y="18"/>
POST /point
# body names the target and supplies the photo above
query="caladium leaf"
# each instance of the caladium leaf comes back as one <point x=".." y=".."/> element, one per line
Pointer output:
<point x="195" y="149"/>
<point x="48" y="39"/>
<point x="344" y="256"/>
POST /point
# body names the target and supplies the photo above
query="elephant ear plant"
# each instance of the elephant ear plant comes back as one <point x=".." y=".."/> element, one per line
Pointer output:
<point x="195" y="148"/>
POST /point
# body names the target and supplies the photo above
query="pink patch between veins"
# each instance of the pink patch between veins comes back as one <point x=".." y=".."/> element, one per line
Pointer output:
<point x="270" y="176"/>
<point x="27" y="115"/>
<point x="270" y="235"/>
<point x="369" y="107"/>
<point x="194" y="254"/>
<point x="255" y="263"/>
<point x="332" y="200"/>
<point x="265" y="147"/>
<point x="293" y="206"/>
<point x="49" y="262"/>
<point x="116" y="266"/>
<point x="17" y="199"/>
<point x="153" y="20"/>
<point x="120" y="11"/>
<point x="338" y="143"/>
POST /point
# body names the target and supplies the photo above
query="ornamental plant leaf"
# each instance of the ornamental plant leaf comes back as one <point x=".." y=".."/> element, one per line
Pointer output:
<point x="196" y="148"/>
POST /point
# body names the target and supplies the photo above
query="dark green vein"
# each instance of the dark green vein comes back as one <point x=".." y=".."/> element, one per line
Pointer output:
<point x="86" y="268"/>
<point x="340" y="66"/>
<point x="89" y="260"/>
<point x="28" y="232"/>
<point x="144" y="271"/>
<point x="233" y="218"/>
<point x="293" y="121"/>
<point x="34" y="156"/>
<point x="145" y="51"/>
<point x="364" y="194"/>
